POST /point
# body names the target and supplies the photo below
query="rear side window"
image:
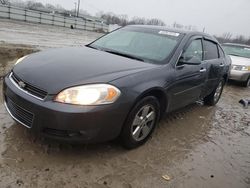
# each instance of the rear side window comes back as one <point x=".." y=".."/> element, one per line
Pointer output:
<point x="210" y="50"/>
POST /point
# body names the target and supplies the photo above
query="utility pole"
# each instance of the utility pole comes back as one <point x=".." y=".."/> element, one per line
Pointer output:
<point x="75" y="9"/>
<point x="78" y="8"/>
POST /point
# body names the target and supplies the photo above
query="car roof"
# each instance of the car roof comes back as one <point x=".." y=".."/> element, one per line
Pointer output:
<point x="185" y="32"/>
<point x="236" y="44"/>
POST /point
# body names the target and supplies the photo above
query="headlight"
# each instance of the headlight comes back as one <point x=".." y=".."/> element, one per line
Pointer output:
<point x="95" y="94"/>
<point x="245" y="68"/>
<point x="21" y="59"/>
<point x="241" y="68"/>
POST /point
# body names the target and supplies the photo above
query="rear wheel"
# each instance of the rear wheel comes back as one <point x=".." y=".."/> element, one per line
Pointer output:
<point x="214" y="97"/>
<point x="140" y="122"/>
<point x="247" y="83"/>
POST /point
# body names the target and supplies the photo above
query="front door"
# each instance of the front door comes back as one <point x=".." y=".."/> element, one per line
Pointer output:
<point x="189" y="79"/>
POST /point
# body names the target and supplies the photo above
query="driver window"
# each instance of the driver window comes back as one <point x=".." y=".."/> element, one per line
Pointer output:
<point x="194" y="50"/>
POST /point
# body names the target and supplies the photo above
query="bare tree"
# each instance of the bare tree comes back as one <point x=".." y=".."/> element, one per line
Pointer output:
<point x="50" y="7"/>
<point x="227" y="35"/>
<point x="59" y="7"/>
<point x="178" y="26"/>
<point x="248" y="41"/>
<point x="239" y="39"/>
<point x="137" y="20"/>
<point x="155" y="21"/>
<point x="5" y="2"/>
<point x="123" y="20"/>
<point x="34" y="5"/>
<point x="227" y="38"/>
<point x="18" y="3"/>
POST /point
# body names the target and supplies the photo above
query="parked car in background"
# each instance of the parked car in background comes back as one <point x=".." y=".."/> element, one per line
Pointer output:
<point x="240" y="55"/>
<point x="117" y="86"/>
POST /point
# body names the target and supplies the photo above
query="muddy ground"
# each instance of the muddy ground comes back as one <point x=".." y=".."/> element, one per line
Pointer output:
<point x="42" y="36"/>
<point x="199" y="146"/>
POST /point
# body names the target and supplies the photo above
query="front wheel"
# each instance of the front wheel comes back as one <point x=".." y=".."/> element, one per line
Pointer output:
<point x="140" y="123"/>
<point x="214" y="97"/>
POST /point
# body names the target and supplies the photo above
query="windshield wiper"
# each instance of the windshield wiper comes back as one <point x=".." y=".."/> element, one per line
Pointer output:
<point x="94" y="47"/>
<point x="123" y="55"/>
<point x="116" y="53"/>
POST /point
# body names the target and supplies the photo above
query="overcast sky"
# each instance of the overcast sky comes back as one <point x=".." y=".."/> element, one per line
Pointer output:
<point x="217" y="16"/>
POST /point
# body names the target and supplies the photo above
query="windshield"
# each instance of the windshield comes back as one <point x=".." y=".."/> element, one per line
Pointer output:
<point x="237" y="50"/>
<point x="146" y="45"/>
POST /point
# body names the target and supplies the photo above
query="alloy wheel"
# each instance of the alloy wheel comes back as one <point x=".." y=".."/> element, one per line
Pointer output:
<point x="218" y="92"/>
<point x="143" y="122"/>
<point x="248" y="83"/>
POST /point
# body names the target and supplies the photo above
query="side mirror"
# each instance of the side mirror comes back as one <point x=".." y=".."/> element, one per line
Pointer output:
<point x="191" y="60"/>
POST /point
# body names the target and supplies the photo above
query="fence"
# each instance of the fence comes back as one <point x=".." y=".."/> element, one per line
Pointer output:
<point x="21" y="14"/>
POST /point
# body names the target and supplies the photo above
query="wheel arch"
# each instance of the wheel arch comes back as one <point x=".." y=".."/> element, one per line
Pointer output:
<point x="158" y="93"/>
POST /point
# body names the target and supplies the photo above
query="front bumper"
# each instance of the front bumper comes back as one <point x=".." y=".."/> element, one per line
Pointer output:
<point x="85" y="124"/>
<point x="239" y="75"/>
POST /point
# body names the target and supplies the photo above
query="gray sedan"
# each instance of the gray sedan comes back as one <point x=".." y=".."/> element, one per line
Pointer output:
<point x="118" y="86"/>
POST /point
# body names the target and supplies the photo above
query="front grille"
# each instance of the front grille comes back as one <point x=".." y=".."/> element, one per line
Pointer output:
<point x="19" y="114"/>
<point x="39" y="93"/>
<point x="61" y="133"/>
<point x="56" y="132"/>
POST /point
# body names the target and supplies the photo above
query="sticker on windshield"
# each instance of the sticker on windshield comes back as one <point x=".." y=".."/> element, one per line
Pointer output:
<point x="169" y="33"/>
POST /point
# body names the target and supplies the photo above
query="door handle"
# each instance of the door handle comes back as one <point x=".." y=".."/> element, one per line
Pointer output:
<point x="203" y="70"/>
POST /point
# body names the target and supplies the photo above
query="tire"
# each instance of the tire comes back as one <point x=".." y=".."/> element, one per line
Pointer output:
<point x="247" y="83"/>
<point x="214" y="97"/>
<point x="140" y="122"/>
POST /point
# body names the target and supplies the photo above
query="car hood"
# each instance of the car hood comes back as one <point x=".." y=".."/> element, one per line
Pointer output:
<point x="57" y="69"/>
<point x="240" y="60"/>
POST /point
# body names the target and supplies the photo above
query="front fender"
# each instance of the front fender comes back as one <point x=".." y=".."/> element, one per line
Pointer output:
<point x="134" y="87"/>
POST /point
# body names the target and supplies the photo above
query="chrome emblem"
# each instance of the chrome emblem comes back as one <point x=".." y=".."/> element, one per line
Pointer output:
<point x="21" y="84"/>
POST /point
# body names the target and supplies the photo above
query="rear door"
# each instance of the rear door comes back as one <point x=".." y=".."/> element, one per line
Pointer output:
<point x="190" y="79"/>
<point x="215" y="65"/>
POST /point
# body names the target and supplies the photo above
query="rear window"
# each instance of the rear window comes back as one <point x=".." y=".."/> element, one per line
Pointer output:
<point x="210" y="50"/>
